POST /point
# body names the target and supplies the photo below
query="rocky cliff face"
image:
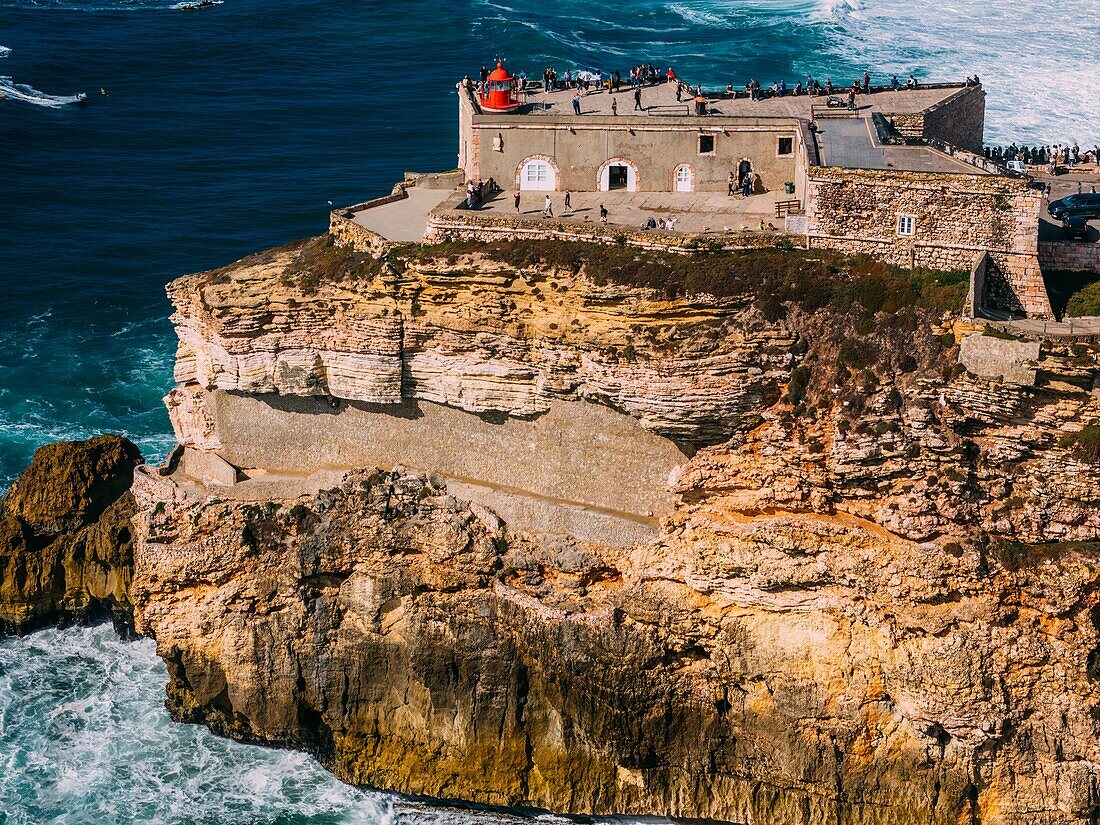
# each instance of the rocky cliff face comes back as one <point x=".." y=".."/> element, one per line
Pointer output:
<point x="65" y="536"/>
<point x="876" y="600"/>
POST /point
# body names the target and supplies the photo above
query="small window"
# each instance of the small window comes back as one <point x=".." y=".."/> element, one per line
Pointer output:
<point x="706" y="144"/>
<point x="907" y="225"/>
<point x="786" y="146"/>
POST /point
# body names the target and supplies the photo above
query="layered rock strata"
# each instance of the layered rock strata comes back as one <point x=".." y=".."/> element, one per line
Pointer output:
<point x="873" y="597"/>
<point x="65" y="535"/>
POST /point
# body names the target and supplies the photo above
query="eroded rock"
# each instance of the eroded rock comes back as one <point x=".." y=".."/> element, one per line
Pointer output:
<point x="65" y="535"/>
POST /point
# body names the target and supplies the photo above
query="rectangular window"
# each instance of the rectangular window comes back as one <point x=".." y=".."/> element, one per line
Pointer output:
<point x="786" y="146"/>
<point x="706" y="144"/>
<point x="907" y="225"/>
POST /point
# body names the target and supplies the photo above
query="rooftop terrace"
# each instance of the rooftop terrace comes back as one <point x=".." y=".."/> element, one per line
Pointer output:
<point x="660" y="101"/>
<point x="844" y="138"/>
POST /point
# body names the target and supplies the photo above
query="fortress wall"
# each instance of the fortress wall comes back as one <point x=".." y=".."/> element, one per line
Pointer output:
<point x="958" y="216"/>
<point x="346" y="232"/>
<point x="1070" y="256"/>
<point x="959" y="120"/>
<point x="579" y="147"/>
<point x="444" y="224"/>
<point x="576" y="458"/>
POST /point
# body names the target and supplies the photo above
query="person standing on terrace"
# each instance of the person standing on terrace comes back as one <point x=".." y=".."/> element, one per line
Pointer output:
<point x="638" y="100"/>
<point x="576" y="102"/>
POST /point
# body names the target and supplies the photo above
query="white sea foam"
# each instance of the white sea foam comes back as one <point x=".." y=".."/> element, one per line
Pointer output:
<point x="84" y="737"/>
<point x="1039" y="62"/>
<point x="4" y="51"/>
<point x="29" y="94"/>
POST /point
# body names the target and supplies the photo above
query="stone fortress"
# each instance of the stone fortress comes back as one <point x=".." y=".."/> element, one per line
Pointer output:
<point x="900" y="177"/>
<point x="442" y="381"/>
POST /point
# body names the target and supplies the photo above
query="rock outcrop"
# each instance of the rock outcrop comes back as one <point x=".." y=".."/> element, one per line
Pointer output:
<point x="65" y="536"/>
<point x="875" y="601"/>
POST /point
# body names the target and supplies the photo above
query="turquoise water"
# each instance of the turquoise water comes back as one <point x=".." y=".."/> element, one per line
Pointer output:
<point x="227" y="131"/>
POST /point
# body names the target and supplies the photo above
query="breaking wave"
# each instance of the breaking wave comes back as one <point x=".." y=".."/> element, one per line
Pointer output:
<point x="1037" y="62"/>
<point x="29" y="94"/>
<point x="4" y="51"/>
<point x="84" y="737"/>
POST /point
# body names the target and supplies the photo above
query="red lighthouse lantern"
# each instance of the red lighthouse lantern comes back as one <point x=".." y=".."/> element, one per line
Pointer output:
<point x="500" y="93"/>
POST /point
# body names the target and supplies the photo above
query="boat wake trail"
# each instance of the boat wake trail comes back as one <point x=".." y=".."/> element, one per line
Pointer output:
<point x="29" y="94"/>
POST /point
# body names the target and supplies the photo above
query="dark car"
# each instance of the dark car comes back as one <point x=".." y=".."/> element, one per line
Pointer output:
<point x="1085" y="205"/>
<point x="1076" y="227"/>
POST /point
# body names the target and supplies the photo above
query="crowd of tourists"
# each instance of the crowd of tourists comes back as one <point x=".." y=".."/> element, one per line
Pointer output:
<point x="1050" y="155"/>
<point x="644" y="74"/>
<point x="477" y="192"/>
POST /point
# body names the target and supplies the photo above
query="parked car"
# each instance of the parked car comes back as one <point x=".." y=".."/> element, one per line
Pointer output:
<point x="1085" y="205"/>
<point x="1017" y="168"/>
<point x="1076" y="228"/>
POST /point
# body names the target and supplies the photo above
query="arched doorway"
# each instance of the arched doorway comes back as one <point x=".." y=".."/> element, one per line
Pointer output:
<point x="617" y="174"/>
<point x="537" y="175"/>
<point x="683" y="179"/>
<point x="745" y="171"/>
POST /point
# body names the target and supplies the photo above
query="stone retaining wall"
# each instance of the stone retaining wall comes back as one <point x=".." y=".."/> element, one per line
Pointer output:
<point x="1069" y="256"/>
<point x="958" y="120"/>
<point x="957" y="217"/>
<point x="448" y="224"/>
<point x="577" y="462"/>
<point x="346" y="232"/>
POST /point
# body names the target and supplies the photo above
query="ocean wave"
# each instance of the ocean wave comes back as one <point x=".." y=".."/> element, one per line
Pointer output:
<point x="4" y="51"/>
<point x="29" y="94"/>
<point x="1041" y="80"/>
<point x="837" y="11"/>
<point x="82" y="720"/>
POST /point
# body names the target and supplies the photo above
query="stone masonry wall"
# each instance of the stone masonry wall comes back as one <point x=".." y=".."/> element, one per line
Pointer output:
<point x="346" y="232"/>
<point x="1069" y="256"/>
<point x="957" y="217"/>
<point x="959" y="120"/>
<point x="448" y="224"/>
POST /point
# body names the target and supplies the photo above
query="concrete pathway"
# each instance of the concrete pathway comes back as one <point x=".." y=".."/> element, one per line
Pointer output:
<point x="694" y="211"/>
<point x="406" y="219"/>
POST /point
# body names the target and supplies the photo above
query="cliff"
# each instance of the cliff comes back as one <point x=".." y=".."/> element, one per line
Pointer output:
<point x="787" y="542"/>
<point x="65" y="538"/>
<point x="852" y="610"/>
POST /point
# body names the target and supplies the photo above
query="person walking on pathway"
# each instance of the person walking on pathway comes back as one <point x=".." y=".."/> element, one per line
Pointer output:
<point x="615" y="106"/>
<point x="638" y="100"/>
<point x="568" y="204"/>
<point x="517" y="202"/>
<point x="548" y="209"/>
<point x="729" y="185"/>
<point x="576" y="103"/>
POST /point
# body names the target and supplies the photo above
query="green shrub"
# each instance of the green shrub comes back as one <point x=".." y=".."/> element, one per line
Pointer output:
<point x="796" y="387"/>
<point x="1084" y="445"/>
<point x="858" y="354"/>
<point x="1084" y="302"/>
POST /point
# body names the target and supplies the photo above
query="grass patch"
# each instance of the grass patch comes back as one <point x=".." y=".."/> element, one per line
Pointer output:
<point x="1084" y="445"/>
<point x="1016" y="555"/>
<point x="811" y="280"/>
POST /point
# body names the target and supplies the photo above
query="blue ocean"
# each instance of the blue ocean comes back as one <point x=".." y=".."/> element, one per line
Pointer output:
<point x="229" y="129"/>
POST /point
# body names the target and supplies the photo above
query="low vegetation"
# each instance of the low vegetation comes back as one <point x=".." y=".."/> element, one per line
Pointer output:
<point x="1085" y="302"/>
<point x="771" y="277"/>
<point x="1016" y="555"/>
<point x="1085" y="444"/>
